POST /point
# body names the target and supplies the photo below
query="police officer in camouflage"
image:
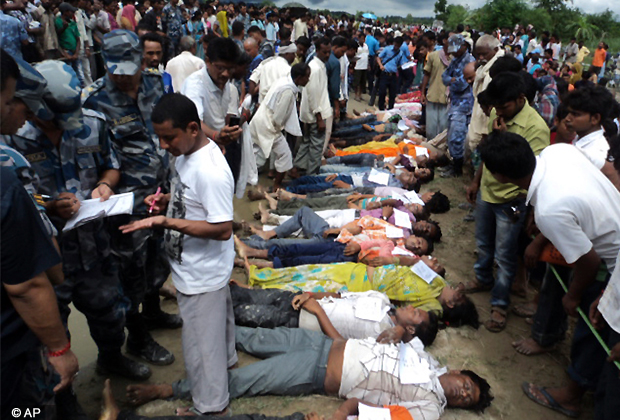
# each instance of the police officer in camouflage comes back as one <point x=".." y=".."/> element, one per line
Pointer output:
<point x="74" y="160"/>
<point x="126" y="96"/>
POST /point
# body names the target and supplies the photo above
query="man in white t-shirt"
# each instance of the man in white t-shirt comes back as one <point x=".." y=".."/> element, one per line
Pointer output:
<point x="578" y="209"/>
<point x="199" y="244"/>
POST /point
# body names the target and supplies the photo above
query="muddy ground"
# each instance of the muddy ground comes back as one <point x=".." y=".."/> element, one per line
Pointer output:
<point x="490" y="355"/>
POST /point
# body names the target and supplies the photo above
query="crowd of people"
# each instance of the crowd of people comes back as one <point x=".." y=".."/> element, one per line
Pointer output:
<point x="179" y="107"/>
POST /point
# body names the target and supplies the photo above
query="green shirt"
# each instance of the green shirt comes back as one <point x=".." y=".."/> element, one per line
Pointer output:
<point x="528" y="124"/>
<point x="68" y="38"/>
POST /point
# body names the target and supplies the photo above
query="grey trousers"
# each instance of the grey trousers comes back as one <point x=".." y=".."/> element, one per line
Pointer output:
<point x="295" y="362"/>
<point x="128" y="415"/>
<point x="208" y="346"/>
<point x="310" y="151"/>
<point x="290" y="207"/>
<point x="436" y="119"/>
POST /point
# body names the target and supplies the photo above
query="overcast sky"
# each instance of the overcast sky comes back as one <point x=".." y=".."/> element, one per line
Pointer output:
<point x="424" y="8"/>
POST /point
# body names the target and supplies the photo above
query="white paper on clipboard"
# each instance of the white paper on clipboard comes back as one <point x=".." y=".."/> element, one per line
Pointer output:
<point x="402" y="219"/>
<point x="378" y="177"/>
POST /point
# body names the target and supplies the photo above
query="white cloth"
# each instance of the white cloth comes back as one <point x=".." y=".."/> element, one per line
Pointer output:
<point x="595" y="146"/>
<point x="281" y="155"/>
<point x="314" y="97"/>
<point x="575" y="206"/>
<point x="268" y="72"/>
<point x="181" y="67"/>
<point x="344" y="78"/>
<point x="334" y="218"/>
<point x="371" y="372"/>
<point x="362" y="58"/>
<point x="342" y="314"/>
<point x="609" y="306"/>
<point x="203" y="190"/>
<point x="212" y="102"/>
<point x="278" y="112"/>
<point x="300" y="28"/>
<point x="248" y="173"/>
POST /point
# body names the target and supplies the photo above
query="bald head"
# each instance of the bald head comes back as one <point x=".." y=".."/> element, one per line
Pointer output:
<point x="469" y="72"/>
<point x="251" y="47"/>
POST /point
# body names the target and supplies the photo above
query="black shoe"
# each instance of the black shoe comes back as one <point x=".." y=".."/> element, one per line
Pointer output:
<point x="163" y="320"/>
<point x="151" y="351"/>
<point x="123" y="366"/>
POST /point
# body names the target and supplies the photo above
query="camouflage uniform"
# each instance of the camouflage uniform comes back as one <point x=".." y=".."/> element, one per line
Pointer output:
<point x="144" y="168"/>
<point x="84" y="153"/>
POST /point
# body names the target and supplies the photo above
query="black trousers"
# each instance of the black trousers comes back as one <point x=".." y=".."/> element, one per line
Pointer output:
<point x="387" y="81"/>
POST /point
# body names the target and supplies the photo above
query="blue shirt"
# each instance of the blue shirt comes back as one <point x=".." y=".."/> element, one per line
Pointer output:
<point x="13" y="33"/>
<point x="373" y="45"/>
<point x="272" y="34"/>
<point x="167" y="82"/>
<point x="461" y="95"/>
<point x="519" y="57"/>
<point x="392" y="60"/>
<point x="405" y="50"/>
<point x="333" y="78"/>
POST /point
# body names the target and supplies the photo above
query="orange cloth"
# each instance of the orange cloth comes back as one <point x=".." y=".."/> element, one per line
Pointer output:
<point x="399" y="413"/>
<point x="599" y="57"/>
<point x="388" y="151"/>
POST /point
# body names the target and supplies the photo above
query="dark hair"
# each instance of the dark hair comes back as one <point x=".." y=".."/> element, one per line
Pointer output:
<point x="352" y="44"/>
<point x="439" y="203"/>
<point x="223" y="49"/>
<point x="8" y="69"/>
<point x="562" y="86"/>
<point x="517" y="46"/>
<point x="485" y="391"/>
<point x="320" y="42"/>
<point x="285" y="33"/>
<point x="614" y="151"/>
<point x="592" y="99"/>
<point x="507" y="154"/>
<point x="505" y="87"/>
<point x="483" y="99"/>
<point x="143" y="26"/>
<point x="464" y="313"/>
<point x="562" y="112"/>
<point x="436" y="238"/>
<point x="244" y="59"/>
<point x="298" y="70"/>
<point x="339" y="41"/>
<point x="176" y="108"/>
<point x="460" y="27"/>
<point x="303" y="40"/>
<point x="424" y="215"/>
<point x="254" y="29"/>
<point x="549" y="51"/>
<point x="505" y="64"/>
<point x="398" y="40"/>
<point x="151" y="37"/>
<point x="237" y="28"/>
<point x="531" y="87"/>
<point x="430" y="35"/>
<point x="429" y="245"/>
<point x="427" y="331"/>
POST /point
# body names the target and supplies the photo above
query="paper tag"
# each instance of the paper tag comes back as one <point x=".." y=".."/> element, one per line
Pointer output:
<point x="402" y="125"/>
<point x="421" y="151"/>
<point x="413" y="369"/>
<point x="378" y="177"/>
<point x="424" y="271"/>
<point x="370" y="309"/>
<point x="400" y="251"/>
<point x="414" y="198"/>
<point x="401" y="219"/>
<point x="367" y="412"/>
<point x="409" y="141"/>
<point x="393" y="232"/>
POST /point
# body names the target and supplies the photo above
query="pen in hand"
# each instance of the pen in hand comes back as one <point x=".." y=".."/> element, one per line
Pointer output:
<point x="155" y="199"/>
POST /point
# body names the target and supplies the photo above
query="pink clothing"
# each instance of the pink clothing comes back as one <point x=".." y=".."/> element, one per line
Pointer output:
<point x="129" y="13"/>
<point x="113" y="22"/>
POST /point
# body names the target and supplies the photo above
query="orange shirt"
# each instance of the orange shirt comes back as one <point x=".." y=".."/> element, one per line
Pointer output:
<point x="599" y="57"/>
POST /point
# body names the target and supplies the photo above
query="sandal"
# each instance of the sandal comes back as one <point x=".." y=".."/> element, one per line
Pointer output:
<point x="550" y="403"/>
<point x="474" y="286"/>
<point x="526" y="310"/>
<point x="498" y="323"/>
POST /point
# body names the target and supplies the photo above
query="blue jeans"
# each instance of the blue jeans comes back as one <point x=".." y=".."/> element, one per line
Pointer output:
<point x="343" y="169"/>
<point x="457" y="131"/>
<point x="358" y="159"/>
<point x="309" y="253"/>
<point x="76" y="65"/>
<point x="606" y="401"/>
<point x="497" y="236"/>
<point x="550" y="321"/>
<point x="315" y="183"/>
<point x="353" y="122"/>
<point x="305" y="218"/>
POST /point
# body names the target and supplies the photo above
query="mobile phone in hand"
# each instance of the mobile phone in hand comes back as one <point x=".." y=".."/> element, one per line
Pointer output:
<point x="233" y="121"/>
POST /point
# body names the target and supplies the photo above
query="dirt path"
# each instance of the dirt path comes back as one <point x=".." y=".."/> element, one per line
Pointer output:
<point x="490" y="355"/>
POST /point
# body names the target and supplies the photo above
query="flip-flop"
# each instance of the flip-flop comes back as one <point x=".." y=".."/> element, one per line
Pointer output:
<point x="523" y="312"/>
<point x="496" y="326"/>
<point x="551" y="403"/>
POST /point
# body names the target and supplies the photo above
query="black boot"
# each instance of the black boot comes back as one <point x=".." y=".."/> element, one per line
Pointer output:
<point x="149" y="350"/>
<point x="155" y="318"/>
<point x="458" y="167"/>
<point x="115" y="362"/>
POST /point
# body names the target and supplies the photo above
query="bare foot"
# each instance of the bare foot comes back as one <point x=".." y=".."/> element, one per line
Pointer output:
<point x="238" y="263"/>
<point x="285" y="195"/>
<point x="255" y="195"/>
<point x="247" y="227"/>
<point x="262" y="263"/>
<point x="273" y="203"/>
<point x="529" y="347"/>
<point x="266" y="235"/>
<point x="139" y="394"/>
<point x="264" y="213"/>
<point x="247" y="267"/>
<point x="167" y="291"/>
<point x="313" y="416"/>
<point x="110" y="410"/>
<point x="240" y="247"/>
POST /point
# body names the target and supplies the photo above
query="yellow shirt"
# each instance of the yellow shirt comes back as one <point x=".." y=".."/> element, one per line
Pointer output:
<point x="528" y="124"/>
<point x="583" y="52"/>
<point x="436" y="88"/>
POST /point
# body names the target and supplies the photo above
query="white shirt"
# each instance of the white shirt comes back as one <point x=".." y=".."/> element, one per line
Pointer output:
<point x="371" y="372"/>
<point x="268" y="72"/>
<point x="203" y="190"/>
<point x="181" y="67"/>
<point x="595" y="146"/>
<point x="362" y="58"/>
<point x="212" y="102"/>
<point x="609" y="306"/>
<point x="314" y="97"/>
<point x="344" y="78"/>
<point x="344" y="314"/>
<point x="575" y="206"/>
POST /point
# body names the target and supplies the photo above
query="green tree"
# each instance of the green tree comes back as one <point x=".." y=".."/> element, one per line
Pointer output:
<point x="441" y="9"/>
<point x="455" y="14"/>
<point x="267" y="3"/>
<point x="605" y="21"/>
<point x="501" y="14"/>
<point x="583" y="29"/>
<point x="539" y="18"/>
<point x="551" y="5"/>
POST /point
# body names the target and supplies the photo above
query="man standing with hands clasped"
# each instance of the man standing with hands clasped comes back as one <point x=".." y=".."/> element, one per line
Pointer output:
<point x="199" y="244"/>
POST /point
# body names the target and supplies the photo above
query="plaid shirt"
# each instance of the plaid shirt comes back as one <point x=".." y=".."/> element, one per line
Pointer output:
<point x="548" y="99"/>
